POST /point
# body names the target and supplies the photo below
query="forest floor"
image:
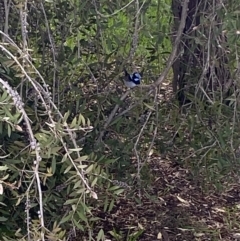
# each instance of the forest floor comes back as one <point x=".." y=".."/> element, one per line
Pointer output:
<point x="177" y="209"/>
<point x="174" y="206"/>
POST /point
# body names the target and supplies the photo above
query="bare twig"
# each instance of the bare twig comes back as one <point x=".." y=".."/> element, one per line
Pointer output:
<point x="111" y="117"/>
<point x="153" y="138"/>
<point x="6" y="11"/>
<point x="35" y="146"/>
<point x="140" y="134"/>
<point x="172" y="56"/>
<point x="135" y="34"/>
<point x="110" y="15"/>
<point x="51" y="40"/>
<point x="23" y="10"/>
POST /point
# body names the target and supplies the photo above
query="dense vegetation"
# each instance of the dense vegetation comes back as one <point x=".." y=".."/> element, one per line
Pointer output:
<point x="84" y="158"/>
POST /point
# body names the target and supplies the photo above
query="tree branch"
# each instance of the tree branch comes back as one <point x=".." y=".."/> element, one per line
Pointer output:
<point x="172" y="56"/>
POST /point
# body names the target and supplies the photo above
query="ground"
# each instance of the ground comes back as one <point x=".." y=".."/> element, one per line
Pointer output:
<point x="176" y="208"/>
<point x="174" y="205"/>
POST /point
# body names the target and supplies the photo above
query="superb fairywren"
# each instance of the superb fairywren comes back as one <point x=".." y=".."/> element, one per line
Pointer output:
<point x="132" y="80"/>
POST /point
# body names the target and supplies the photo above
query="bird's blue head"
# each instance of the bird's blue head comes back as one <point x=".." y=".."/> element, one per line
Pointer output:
<point x="136" y="78"/>
<point x="132" y="80"/>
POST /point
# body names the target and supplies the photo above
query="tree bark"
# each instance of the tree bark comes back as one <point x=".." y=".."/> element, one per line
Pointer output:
<point x="201" y="62"/>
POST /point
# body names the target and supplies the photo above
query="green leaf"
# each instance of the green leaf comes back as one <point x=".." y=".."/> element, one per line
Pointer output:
<point x="4" y="96"/>
<point x="55" y="149"/>
<point x="9" y="130"/>
<point x="77" y="184"/>
<point x="119" y="191"/>
<point x="66" y="115"/>
<point x="3" y="219"/>
<point x="3" y="168"/>
<point x="82" y="166"/>
<point x="111" y="205"/>
<point x="105" y="204"/>
<point x="68" y="169"/>
<point x="136" y="234"/>
<point x="65" y="219"/>
<point x="100" y="235"/>
<point x="149" y="106"/>
<point x="75" y="149"/>
<point x="113" y="188"/>
<point x="78" y="225"/>
<point x="82" y="216"/>
<point x="71" y="201"/>
<point x="81" y="120"/>
<point x="81" y="190"/>
<point x="88" y="122"/>
<point x="53" y="166"/>
<point x="74" y="123"/>
<point x="89" y="169"/>
<point x="65" y="157"/>
<point x="94" y="182"/>
<point x="81" y="159"/>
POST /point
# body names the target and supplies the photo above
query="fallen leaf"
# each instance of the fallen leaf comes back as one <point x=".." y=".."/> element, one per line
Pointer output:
<point x="159" y="236"/>
<point x="1" y="189"/>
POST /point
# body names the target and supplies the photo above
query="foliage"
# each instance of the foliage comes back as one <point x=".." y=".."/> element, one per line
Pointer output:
<point x="64" y="60"/>
<point x="63" y="167"/>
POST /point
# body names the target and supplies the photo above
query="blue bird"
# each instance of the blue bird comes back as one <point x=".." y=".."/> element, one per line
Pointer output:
<point x="132" y="80"/>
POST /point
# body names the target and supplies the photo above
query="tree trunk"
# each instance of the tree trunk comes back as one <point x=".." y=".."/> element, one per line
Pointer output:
<point x="201" y="67"/>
